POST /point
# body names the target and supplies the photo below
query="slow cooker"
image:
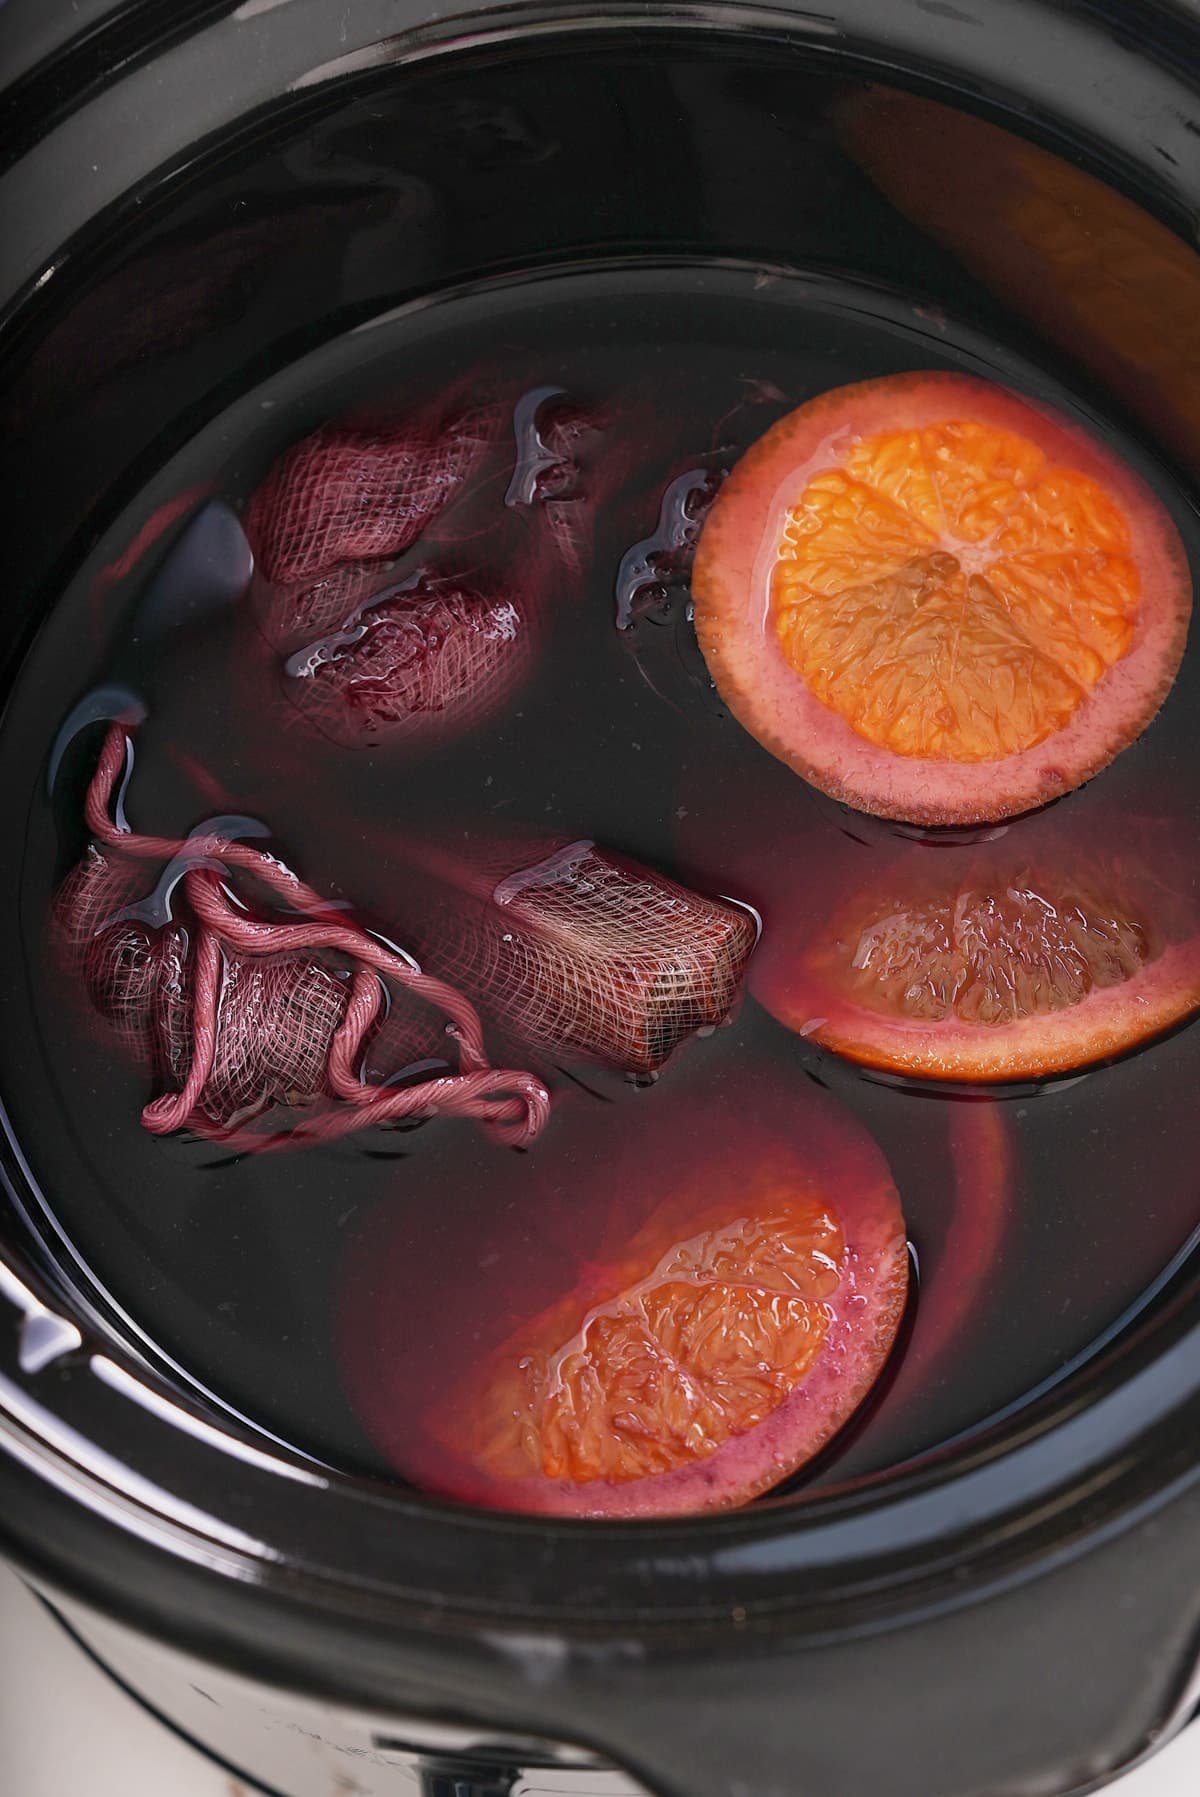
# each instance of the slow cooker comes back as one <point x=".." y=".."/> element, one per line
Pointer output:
<point x="193" y="195"/>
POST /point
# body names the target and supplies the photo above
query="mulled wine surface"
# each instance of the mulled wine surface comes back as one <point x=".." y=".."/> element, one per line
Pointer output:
<point x="392" y="1261"/>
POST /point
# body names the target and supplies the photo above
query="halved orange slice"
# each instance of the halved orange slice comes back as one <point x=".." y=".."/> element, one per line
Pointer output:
<point x="1018" y="959"/>
<point x="734" y="1337"/>
<point x="937" y="601"/>
<point x="688" y="1301"/>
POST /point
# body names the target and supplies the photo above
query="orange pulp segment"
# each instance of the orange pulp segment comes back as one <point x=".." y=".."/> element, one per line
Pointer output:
<point x="690" y="1348"/>
<point x="951" y="592"/>
<point x="994" y="954"/>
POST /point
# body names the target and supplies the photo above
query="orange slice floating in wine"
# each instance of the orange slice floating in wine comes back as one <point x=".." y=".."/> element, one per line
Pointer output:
<point x="937" y="601"/>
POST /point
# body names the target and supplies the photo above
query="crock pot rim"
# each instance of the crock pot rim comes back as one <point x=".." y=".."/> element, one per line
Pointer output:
<point x="72" y="1427"/>
<point x="390" y="33"/>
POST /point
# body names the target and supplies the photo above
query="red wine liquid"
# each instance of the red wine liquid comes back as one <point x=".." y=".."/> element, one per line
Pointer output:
<point x="1040" y="1219"/>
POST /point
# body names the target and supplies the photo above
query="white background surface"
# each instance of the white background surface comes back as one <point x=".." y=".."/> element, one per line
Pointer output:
<point x="67" y="1731"/>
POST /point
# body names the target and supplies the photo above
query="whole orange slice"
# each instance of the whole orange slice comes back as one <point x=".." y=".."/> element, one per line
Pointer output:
<point x="937" y="601"/>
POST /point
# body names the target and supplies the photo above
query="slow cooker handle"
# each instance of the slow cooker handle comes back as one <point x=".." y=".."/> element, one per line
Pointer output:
<point x="464" y="1780"/>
